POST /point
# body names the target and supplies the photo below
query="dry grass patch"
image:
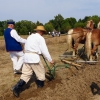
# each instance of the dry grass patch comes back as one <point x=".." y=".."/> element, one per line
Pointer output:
<point x="2" y="45"/>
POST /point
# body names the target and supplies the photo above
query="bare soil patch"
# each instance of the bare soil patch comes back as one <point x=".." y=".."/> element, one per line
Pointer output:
<point x="69" y="84"/>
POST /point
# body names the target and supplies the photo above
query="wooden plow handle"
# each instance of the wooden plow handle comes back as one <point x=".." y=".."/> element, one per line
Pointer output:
<point x="71" y="63"/>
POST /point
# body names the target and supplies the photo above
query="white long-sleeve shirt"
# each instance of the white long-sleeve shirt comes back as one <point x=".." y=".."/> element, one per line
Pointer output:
<point x="34" y="46"/>
<point x="15" y="35"/>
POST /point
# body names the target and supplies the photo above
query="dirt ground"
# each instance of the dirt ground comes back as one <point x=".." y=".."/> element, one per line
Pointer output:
<point x="81" y="83"/>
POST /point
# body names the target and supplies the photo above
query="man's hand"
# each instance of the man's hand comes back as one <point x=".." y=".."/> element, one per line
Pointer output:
<point x="52" y="62"/>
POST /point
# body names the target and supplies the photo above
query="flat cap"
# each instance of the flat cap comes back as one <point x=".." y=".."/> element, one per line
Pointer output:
<point x="11" y="22"/>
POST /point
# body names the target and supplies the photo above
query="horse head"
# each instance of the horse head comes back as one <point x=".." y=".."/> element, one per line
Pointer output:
<point x="90" y="24"/>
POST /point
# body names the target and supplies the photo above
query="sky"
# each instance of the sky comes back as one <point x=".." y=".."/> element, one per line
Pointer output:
<point x="45" y="10"/>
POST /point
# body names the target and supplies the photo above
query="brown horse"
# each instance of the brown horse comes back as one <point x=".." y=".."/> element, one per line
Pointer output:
<point x="76" y="36"/>
<point x="92" y="39"/>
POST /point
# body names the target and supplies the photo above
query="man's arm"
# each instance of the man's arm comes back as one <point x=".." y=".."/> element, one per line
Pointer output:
<point x="15" y="35"/>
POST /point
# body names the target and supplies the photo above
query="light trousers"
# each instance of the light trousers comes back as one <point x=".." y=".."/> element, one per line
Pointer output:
<point x="17" y="59"/>
<point x="29" y="68"/>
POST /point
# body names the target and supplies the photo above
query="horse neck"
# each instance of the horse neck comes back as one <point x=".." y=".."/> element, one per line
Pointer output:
<point x="92" y="26"/>
<point x="98" y="25"/>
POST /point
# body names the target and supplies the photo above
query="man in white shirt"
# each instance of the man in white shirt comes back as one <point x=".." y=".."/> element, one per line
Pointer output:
<point x="34" y="47"/>
<point x="13" y="46"/>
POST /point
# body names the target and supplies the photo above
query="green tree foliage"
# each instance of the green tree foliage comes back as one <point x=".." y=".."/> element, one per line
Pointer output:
<point x="71" y="21"/>
<point x="38" y="23"/>
<point x="24" y="27"/>
<point x="67" y="24"/>
<point x="58" y="23"/>
<point x="3" y="26"/>
<point x="49" y="27"/>
<point x="96" y="19"/>
<point x="79" y="24"/>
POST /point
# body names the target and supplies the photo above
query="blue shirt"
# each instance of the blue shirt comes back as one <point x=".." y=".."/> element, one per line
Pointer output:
<point x="10" y="42"/>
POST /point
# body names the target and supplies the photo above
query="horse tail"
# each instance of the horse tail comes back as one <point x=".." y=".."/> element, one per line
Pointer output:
<point x="69" y="39"/>
<point x="88" y="45"/>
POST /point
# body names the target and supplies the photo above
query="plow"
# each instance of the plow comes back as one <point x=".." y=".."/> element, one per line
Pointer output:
<point x="77" y="63"/>
<point x="50" y="75"/>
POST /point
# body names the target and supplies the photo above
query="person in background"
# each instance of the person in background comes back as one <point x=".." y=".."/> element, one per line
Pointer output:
<point x="29" y="33"/>
<point x="59" y="34"/>
<point x="13" y="46"/>
<point x="34" y="47"/>
<point x="53" y="34"/>
<point x="49" y="33"/>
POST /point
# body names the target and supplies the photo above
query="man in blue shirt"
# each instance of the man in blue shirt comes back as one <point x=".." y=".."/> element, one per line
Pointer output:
<point x="13" y="46"/>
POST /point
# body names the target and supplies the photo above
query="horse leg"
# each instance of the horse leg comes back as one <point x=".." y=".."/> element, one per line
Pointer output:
<point x="91" y="58"/>
<point x="96" y="57"/>
<point x="94" y="51"/>
<point x="75" y="49"/>
<point x="74" y="52"/>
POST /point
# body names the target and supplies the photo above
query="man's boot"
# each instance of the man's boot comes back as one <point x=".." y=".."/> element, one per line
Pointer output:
<point x="17" y="88"/>
<point x="39" y="83"/>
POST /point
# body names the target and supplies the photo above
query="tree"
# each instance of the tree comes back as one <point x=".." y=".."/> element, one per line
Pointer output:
<point x="38" y="23"/>
<point x="67" y="24"/>
<point x="71" y="21"/>
<point x="3" y="25"/>
<point x="79" y="24"/>
<point x="49" y="27"/>
<point x="57" y="22"/>
<point x="96" y="19"/>
<point x="24" y="27"/>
